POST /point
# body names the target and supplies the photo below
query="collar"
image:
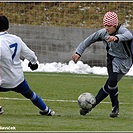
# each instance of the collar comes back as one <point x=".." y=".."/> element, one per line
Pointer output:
<point x="3" y="33"/>
<point x="113" y="34"/>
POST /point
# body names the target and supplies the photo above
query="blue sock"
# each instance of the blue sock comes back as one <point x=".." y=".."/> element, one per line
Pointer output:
<point x="37" y="101"/>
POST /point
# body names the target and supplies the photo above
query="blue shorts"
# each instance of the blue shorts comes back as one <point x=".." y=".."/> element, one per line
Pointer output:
<point x="21" y="88"/>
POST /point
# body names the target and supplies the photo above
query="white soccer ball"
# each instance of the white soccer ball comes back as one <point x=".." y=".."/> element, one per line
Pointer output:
<point x="86" y="100"/>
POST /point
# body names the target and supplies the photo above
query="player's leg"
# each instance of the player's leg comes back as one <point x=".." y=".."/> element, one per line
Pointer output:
<point x="3" y="90"/>
<point x="113" y="92"/>
<point x="37" y="101"/>
<point x="102" y="94"/>
<point x="113" y="73"/>
<point x="104" y="91"/>
<point x="25" y="90"/>
<point x="111" y="89"/>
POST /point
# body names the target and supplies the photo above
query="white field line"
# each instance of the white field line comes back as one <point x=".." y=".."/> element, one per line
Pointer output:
<point x="50" y="100"/>
<point x="75" y="75"/>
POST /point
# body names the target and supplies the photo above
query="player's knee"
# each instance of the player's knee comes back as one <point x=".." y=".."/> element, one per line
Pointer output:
<point x="112" y="83"/>
<point x="32" y="96"/>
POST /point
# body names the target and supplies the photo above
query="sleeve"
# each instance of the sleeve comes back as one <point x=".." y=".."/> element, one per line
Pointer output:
<point x="27" y="53"/>
<point x="96" y="36"/>
<point x="124" y="35"/>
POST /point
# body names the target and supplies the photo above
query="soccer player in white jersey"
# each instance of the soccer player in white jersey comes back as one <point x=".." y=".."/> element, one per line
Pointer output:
<point x="117" y="40"/>
<point x="11" y="73"/>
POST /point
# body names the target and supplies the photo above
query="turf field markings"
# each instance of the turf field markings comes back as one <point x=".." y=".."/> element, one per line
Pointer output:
<point x="50" y="100"/>
<point x="74" y="75"/>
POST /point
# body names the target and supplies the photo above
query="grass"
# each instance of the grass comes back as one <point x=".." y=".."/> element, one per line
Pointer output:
<point x="60" y="92"/>
<point x="85" y="14"/>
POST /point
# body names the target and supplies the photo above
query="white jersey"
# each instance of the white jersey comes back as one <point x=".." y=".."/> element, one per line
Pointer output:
<point x="11" y="49"/>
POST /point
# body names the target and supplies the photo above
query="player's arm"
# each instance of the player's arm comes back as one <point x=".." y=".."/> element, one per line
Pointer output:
<point x="28" y="54"/>
<point x="86" y="43"/>
<point x="125" y="35"/>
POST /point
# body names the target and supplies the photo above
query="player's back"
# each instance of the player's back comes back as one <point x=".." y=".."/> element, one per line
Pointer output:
<point x="10" y="63"/>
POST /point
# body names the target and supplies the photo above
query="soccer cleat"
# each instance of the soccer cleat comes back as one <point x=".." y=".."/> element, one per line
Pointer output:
<point x="115" y="112"/>
<point x="1" y="110"/>
<point x="51" y="113"/>
<point x="84" y="111"/>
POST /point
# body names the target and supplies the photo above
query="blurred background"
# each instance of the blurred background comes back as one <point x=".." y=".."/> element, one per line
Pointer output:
<point x="54" y="29"/>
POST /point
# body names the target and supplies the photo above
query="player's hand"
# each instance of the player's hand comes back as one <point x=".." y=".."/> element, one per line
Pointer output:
<point x="112" y="38"/>
<point x="75" y="57"/>
<point x="32" y="66"/>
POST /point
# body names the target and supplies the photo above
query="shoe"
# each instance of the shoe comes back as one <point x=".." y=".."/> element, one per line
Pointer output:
<point x="84" y="111"/>
<point x="1" y="110"/>
<point x="115" y="112"/>
<point x="50" y="113"/>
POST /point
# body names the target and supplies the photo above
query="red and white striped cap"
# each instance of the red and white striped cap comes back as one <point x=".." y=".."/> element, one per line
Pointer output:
<point x="110" y="18"/>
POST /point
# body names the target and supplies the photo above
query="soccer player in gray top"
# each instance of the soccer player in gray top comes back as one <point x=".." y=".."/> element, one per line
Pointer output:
<point x="11" y="73"/>
<point x="117" y="41"/>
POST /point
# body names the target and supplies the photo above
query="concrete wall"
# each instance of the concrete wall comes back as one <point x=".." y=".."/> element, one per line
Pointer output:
<point x="57" y="44"/>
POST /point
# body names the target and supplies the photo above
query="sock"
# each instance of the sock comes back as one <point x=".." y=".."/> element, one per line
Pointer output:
<point x="102" y="94"/>
<point x="114" y="96"/>
<point x="37" y="101"/>
<point x="47" y="110"/>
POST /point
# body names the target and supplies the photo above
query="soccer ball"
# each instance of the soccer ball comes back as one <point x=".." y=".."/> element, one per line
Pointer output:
<point x="86" y="100"/>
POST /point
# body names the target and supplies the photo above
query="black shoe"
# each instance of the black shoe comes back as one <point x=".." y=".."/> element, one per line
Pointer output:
<point x="51" y="113"/>
<point x="1" y="110"/>
<point x="84" y="111"/>
<point x="115" y="112"/>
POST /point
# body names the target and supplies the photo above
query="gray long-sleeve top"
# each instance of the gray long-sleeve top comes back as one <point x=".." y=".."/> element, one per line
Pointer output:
<point x="120" y="49"/>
